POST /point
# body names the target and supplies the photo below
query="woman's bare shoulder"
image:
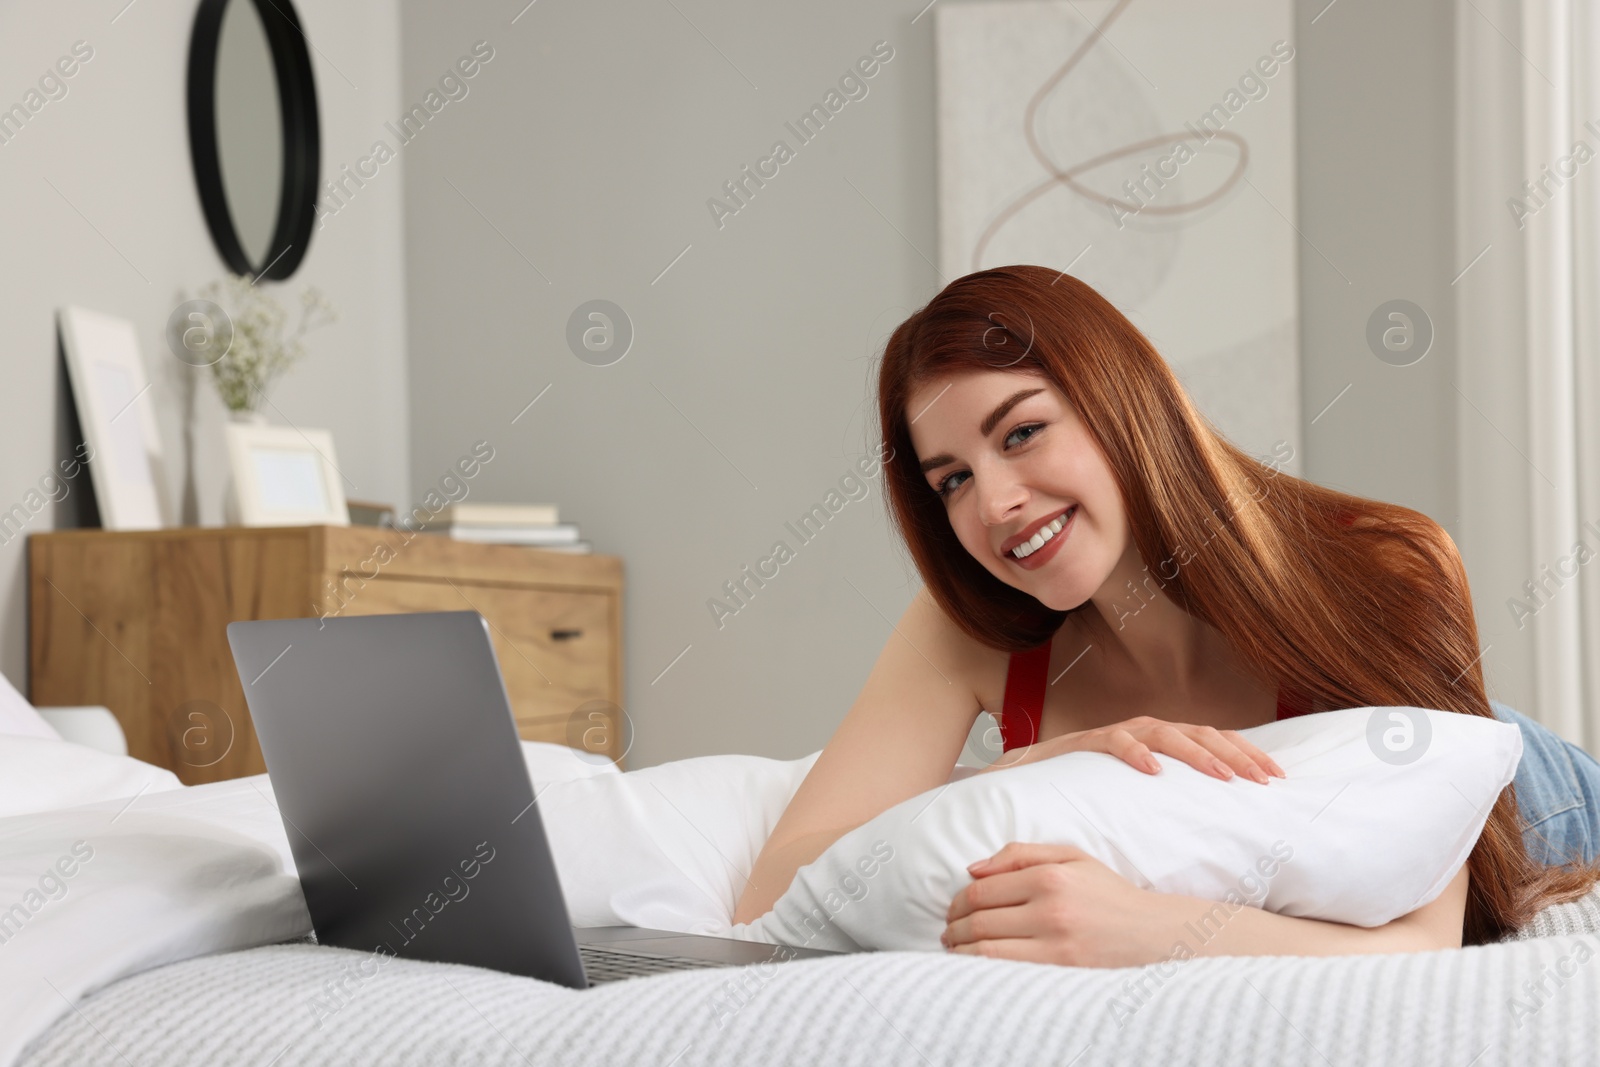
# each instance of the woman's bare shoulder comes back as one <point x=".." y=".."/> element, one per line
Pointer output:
<point x="970" y="663"/>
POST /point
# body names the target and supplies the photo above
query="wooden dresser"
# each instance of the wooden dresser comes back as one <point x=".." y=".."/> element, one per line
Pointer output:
<point x="136" y="621"/>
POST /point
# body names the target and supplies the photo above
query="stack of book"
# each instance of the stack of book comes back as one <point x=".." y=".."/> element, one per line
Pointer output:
<point x="512" y="524"/>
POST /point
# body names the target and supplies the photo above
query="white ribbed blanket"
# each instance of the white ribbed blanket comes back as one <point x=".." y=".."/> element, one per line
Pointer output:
<point x="1529" y="1000"/>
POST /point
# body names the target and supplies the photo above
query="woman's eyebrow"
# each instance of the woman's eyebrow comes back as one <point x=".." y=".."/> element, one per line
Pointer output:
<point x="986" y="428"/>
<point x="1006" y="405"/>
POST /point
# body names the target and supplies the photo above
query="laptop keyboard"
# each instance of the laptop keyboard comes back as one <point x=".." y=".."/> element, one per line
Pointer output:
<point x="604" y="964"/>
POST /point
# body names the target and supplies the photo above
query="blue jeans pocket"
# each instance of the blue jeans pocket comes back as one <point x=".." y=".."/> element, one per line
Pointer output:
<point x="1558" y="792"/>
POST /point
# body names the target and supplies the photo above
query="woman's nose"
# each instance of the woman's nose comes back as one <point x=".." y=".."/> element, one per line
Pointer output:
<point x="1000" y="502"/>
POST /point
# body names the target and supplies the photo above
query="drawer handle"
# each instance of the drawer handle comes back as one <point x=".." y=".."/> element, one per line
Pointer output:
<point x="565" y="635"/>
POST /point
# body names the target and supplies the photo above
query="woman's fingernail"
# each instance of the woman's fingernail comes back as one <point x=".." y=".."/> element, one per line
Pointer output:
<point x="975" y="866"/>
<point x="1258" y="775"/>
<point x="1152" y="766"/>
<point x="1223" y="769"/>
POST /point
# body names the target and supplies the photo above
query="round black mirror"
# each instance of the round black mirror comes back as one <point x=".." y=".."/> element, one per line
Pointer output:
<point x="253" y="133"/>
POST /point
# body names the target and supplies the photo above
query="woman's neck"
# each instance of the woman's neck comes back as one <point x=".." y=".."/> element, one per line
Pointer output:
<point x="1142" y="632"/>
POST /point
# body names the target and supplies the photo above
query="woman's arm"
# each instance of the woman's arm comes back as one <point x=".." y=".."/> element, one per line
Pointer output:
<point x="1056" y="904"/>
<point x="901" y="737"/>
<point x="1253" y="932"/>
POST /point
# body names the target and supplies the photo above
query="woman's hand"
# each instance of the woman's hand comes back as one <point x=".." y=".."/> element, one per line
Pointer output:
<point x="1219" y="753"/>
<point x="1056" y="904"/>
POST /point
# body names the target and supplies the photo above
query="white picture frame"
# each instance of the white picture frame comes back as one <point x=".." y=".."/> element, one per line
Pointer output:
<point x="284" y="476"/>
<point x="117" y="418"/>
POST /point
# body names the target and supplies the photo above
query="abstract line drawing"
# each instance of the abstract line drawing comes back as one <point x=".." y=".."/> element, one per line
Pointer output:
<point x="1067" y="177"/>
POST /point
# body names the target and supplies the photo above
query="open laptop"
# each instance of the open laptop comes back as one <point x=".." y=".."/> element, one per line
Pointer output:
<point x="395" y="760"/>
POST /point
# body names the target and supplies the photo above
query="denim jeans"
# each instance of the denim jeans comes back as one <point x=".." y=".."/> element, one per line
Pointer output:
<point x="1558" y="790"/>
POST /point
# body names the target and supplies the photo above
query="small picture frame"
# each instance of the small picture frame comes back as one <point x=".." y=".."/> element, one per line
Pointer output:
<point x="117" y="418"/>
<point x="284" y="476"/>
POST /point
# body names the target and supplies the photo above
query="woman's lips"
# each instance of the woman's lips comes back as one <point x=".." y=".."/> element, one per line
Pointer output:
<point x="1047" y="551"/>
<point x="1010" y="544"/>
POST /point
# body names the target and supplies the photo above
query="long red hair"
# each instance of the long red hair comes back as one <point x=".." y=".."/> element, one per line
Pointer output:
<point x="1348" y="601"/>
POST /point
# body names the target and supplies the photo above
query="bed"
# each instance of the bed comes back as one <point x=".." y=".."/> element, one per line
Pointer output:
<point x="183" y="939"/>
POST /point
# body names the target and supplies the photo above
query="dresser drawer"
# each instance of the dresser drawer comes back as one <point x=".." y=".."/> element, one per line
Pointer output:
<point x="554" y="646"/>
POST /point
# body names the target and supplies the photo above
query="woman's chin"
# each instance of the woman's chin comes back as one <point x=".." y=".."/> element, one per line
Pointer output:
<point x="1054" y="595"/>
<point x="1061" y="603"/>
<point x="1054" y="598"/>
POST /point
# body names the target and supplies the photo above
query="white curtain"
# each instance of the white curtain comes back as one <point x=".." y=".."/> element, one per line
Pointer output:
<point x="1528" y="351"/>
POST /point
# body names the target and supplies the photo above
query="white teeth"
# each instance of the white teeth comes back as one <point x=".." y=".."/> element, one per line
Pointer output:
<point x="1047" y="531"/>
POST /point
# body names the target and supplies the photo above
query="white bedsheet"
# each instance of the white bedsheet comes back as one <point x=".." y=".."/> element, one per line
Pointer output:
<point x="172" y="873"/>
<point x="170" y="876"/>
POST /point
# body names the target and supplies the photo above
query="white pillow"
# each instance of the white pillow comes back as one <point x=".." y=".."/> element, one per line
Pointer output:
<point x="40" y="774"/>
<point x="668" y="847"/>
<point x="1379" y="809"/>
<point x="17" y="716"/>
<point x="550" y="762"/>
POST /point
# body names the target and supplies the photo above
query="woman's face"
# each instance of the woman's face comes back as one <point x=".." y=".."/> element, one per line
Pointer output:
<point x="1011" y="458"/>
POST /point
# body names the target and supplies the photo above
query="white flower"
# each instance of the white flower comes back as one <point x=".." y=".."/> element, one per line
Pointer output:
<point x="261" y="349"/>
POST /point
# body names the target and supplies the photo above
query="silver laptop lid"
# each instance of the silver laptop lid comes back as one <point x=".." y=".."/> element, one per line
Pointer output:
<point x="397" y="769"/>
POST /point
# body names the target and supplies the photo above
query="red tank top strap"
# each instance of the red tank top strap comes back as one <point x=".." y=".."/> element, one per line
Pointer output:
<point x="1027" y="678"/>
<point x="1292" y="702"/>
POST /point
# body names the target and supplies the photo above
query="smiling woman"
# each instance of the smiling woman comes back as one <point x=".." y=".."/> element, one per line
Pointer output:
<point x="1044" y="459"/>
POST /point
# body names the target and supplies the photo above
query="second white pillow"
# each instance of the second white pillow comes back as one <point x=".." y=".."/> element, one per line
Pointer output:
<point x="1379" y="809"/>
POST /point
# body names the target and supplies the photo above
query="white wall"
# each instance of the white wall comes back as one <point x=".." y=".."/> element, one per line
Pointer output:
<point x="590" y="145"/>
<point x="1376" y="170"/>
<point x="121" y="231"/>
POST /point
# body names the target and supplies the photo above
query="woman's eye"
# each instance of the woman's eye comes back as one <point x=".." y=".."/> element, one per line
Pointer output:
<point x="1031" y="429"/>
<point x="948" y="484"/>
